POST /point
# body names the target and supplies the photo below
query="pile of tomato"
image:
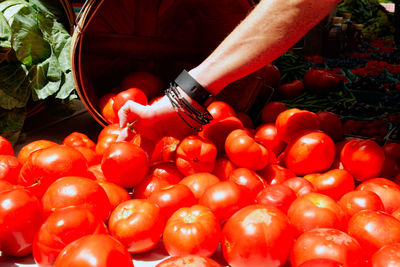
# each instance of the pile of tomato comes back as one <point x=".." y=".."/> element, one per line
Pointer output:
<point x="292" y="191"/>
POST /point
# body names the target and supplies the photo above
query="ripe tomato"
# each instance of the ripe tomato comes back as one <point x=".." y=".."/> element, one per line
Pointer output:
<point x="392" y="150"/>
<point x="90" y="155"/>
<point x="150" y="184"/>
<point x="374" y="229"/>
<point x="291" y="122"/>
<point x="279" y="196"/>
<point x="388" y="192"/>
<point x="76" y="191"/>
<point x="61" y="228"/>
<point x="165" y="149"/>
<point x="97" y="173"/>
<point x="291" y="90"/>
<point x="320" y="81"/>
<point x="77" y="139"/>
<point x="106" y="103"/>
<point x="171" y="198"/>
<point x="199" y="182"/>
<point x="104" y="143"/>
<point x="267" y="135"/>
<point x="249" y="179"/>
<point x="257" y="235"/>
<point x="272" y="76"/>
<point x="4" y="185"/>
<point x="167" y="171"/>
<point x="331" y="124"/>
<point x="109" y="129"/>
<point x="132" y="94"/>
<point x="194" y="230"/>
<point x="188" y="260"/>
<point x="6" y="147"/>
<point x="246" y="120"/>
<point x="362" y="158"/>
<point x="99" y="250"/>
<point x="356" y="200"/>
<point x="146" y="144"/>
<point x="220" y="110"/>
<point x="223" y="168"/>
<point x="225" y="198"/>
<point x="314" y="210"/>
<point x="116" y="194"/>
<point x="195" y="154"/>
<point x="31" y="147"/>
<point x="321" y="262"/>
<point x="44" y="166"/>
<point x="327" y="243"/>
<point x="271" y="110"/>
<point x="20" y="219"/>
<point x="9" y="168"/>
<point x="388" y="255"/>
<point x="245" y="152"/>
<point x="276" y="174"/>
<point x="334" y="183"/>
<point x="299" y="185"/>
<point x="137" y="224"/>
<point x="311" y="152"/>
<point x="124" y="164"/>
<point x="148" y="82"/>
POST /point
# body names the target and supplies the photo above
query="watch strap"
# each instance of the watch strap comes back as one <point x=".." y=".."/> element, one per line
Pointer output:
<point x="188" y="84"/>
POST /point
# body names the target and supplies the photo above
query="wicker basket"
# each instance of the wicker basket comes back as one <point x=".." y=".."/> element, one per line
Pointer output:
<point x="113" y="38"/>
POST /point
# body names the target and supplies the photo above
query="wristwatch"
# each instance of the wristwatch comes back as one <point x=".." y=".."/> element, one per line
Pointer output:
<point x="197" y="92"/>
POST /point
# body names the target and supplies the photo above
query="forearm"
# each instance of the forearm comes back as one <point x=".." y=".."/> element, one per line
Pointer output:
<point x="272" y="28"/>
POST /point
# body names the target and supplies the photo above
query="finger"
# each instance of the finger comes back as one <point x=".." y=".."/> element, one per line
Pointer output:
<point x="128" y="111"/>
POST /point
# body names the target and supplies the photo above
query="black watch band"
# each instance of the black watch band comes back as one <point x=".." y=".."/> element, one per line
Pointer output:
<point x="188" y="84"/>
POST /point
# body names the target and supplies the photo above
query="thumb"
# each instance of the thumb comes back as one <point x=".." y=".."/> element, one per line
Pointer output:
<point x="129" y="112"/>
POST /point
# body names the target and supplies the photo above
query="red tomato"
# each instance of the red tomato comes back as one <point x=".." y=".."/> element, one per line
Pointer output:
<point x="257" y="235"/>
<point x="47" y="165"/>
<point x="374" y="229"/>
<point x="267" y="135"/>
<point x="137" y="224"/>
<point x="132" y="94"/>
<point x="223" y="168"/>
<point x="61" y="228"/>
<point x="334" y="183"/>
<point x="321" y="262"/>
<point x="165" y="149"/>
<point x="272" y="76"/>
<point x="189" y="261"/>
<point x="279" y="196"/>
<point x="276" y="174"/>
<point x="392" y="150"/>
<point x="97" y="172"/>
<point x="4" y="185"/>
<point x="327" y="243"/>
<point x="171" y="198"/>
<point x="6" y="147"/>
<point x="299" y="185"/>
<point x="390" y="168"/>
<point x="124" y="164"/>
<point x="271" y="110"/>
<point x="291" y="90"/>
<point x="20" y="219"/>
<point x="105" y="142"/>
<point x="90" y="155"/>
<point x="225" y="198"/>
<point x="291" y="122"/>
<point x="106" y="103"/>
<point x="246" y="120"/>
<point x="149" y="185"/>
<point x="311" y="152"/>
<point x="245" y="152"/>
<point x="27" y="149"/>
<point x="76" y="191"/>
<point x="388" y="255"/>
<point x="362" y="158"/>
<point x="109" y="129"/>
<point x="9" y="168"/>
<point x="116" y="194"/>
<point x="356" y="200"/>
<point x="220" y="110"/>
<point x="148" y="82"/>
<point x="388" y="192"/>
<point x="217" y="131"/>
<point x="146" y="144"/>
<point x="195" y="154"/>
<point x="193" y="230"/>
<point x="331" y="124"/>
<point x="77" y="139"/>
<point x="199" y="182"/>
<point x="320" y="81"/>
<point x="99" y="250"/>
<point x="248" y="179"/>
<point x="314" y="210"/>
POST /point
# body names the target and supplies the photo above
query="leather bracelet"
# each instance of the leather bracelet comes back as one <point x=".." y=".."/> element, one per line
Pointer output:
<point x="188" y="84"/>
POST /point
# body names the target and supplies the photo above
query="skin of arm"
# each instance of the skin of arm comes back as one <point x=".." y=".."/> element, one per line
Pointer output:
<point x="270" y="29"/>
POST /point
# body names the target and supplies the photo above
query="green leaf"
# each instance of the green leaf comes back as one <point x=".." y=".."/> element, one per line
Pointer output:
<point x="5" y="38"/>
<point x="11" y="123"/>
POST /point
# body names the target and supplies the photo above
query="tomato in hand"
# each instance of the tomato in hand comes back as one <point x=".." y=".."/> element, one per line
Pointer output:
<point x="137" y="224"/>
<point x="267" y="135"/>
<point x="279" y="196"/>
<point x="362" y="158"/>
<point x="61" y="228"/>
<point x="6" y="147"/>
<point x="20" y="218"/>
<point x="257" y="235"/>
<point x="195" y="154"/>
<point x="192" y="230"/>
<point x="110" y="129"/>
<point x="9" y="168"/>
<point x="356" y="200"/>
<point x="131" y="94"/>
<point x="99" y="250"/>
<point x="271" y="110"/>
<point x="199" y="182"/>
<point x="188" y="261"/>
<point x="76" y="191"/>
<point x="31" y="147"/>
<point x="327" y="243"/>
<point x="124" y="164"/>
